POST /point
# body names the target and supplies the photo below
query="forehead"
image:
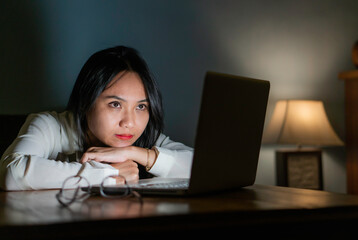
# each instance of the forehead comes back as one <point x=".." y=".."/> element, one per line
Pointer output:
<point x="126" y="84"/>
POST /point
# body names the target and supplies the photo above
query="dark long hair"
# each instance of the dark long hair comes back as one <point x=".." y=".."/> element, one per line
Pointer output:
<point x="97" y="73"/>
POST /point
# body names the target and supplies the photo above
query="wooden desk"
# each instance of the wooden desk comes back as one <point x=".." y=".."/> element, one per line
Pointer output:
<point x="260" y="211"/>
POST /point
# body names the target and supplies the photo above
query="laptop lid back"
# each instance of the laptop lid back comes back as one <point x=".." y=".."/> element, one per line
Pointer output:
<point x="229" y="132"/>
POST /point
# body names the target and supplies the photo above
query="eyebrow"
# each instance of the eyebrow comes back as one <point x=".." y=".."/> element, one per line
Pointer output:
<point x="122" y="99"/>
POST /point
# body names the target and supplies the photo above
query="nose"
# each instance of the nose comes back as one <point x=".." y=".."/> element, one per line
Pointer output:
<point x="127" y="120"/>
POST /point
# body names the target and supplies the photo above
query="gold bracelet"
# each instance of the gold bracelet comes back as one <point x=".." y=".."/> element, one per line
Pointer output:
<point x="146" y="165"/>
<point x="147" y="168"/>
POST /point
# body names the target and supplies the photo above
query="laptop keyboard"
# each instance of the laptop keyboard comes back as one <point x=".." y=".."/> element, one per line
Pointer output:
<point x="184" y="184"/>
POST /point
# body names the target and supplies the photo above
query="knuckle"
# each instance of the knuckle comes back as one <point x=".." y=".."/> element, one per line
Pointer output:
<point x="120" y="181"/>
<point x="90" y="149"/>
<point x="134" y="176"/>
<point x="90" y="156"/>
<point x="134" y="168"/>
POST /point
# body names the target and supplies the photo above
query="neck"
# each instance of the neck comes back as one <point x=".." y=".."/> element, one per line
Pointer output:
<point x="93" y="141"/>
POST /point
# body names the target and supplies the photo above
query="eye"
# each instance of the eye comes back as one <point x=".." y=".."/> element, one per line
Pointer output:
<point x="142" y="107"/>
<point x="115" y="104"/>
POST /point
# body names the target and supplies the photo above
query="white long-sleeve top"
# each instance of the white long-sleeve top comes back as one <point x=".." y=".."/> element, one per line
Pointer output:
<point x="46" y="152"/>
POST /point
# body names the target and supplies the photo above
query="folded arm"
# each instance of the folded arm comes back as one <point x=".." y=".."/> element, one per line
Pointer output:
<point x="31" y="161"/>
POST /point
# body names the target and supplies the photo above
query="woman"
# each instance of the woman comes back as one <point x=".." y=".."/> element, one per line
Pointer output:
<point x="113" y="125"/>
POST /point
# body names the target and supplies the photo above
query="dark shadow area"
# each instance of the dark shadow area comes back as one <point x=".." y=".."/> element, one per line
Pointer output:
<point x="22" y="64"/>
<point x="9" y="128"/>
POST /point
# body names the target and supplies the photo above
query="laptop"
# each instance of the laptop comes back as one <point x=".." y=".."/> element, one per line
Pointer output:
<point x="227" y="142"/>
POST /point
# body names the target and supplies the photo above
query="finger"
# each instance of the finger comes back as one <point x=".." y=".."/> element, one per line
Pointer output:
<point x="107" y="155"/>
<point x="86" y="157"/>
<point x="120" y="180"/>
<point x="132" y="177"/>
<point x="96" y="149"/>
<point x="91" y="149"/>
<point x="129" y="163"/>
<point x="129" y="170"/>
<point x="133" y="180"/>
<point x="93" y="155"/>
<point x="125" y="164"/>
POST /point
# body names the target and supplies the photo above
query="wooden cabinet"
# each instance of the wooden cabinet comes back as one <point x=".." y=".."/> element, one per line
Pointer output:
<point x="350" y="79"/>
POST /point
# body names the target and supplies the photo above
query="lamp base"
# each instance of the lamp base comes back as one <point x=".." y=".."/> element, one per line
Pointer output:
<point x="299" y="168"/>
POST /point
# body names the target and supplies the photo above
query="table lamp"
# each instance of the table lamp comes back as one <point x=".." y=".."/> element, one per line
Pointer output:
<point x="300" y="122"/>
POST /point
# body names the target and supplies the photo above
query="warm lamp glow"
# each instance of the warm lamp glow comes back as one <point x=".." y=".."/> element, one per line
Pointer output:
<point x="300" y="122"/>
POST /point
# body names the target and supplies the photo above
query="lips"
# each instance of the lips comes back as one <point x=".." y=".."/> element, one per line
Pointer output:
<point x="124" y="136"/>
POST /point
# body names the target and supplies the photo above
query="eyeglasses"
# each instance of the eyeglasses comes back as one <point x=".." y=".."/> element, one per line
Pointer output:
<point x="78" y="188"/>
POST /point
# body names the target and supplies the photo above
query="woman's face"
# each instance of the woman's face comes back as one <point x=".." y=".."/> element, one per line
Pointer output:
<point x="120" y="114"/>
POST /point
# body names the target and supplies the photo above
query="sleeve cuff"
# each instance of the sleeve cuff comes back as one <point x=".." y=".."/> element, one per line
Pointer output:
<point x="163" y="164"/>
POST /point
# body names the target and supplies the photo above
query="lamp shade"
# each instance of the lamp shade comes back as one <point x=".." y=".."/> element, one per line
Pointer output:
<point x="301" y="122"/>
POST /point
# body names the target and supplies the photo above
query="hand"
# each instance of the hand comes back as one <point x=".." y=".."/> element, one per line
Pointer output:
<point x="127" y="169"/>
<point x="117" y="155"/>
<point x="105" y="154"/>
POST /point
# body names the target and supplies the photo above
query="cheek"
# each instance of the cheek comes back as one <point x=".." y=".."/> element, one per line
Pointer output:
<point x="92" y="122"/>
<point x="97" y="123"/>
<point x="141" y="124"/>
<point x="144" y="122"/>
